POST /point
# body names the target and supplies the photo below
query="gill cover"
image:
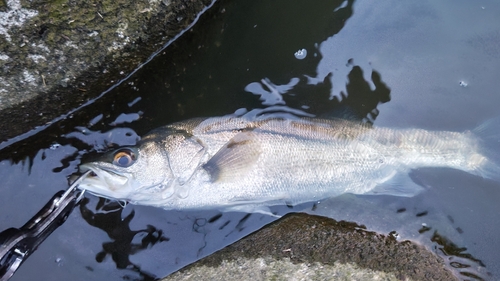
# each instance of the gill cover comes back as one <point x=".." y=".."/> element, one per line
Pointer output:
<point x="184" y="154"/>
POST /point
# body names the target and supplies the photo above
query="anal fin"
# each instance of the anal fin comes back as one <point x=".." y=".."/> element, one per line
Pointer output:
<point x="398" y="185"/>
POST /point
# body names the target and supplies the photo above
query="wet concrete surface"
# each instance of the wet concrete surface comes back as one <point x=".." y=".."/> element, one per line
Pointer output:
<point x="56" y="55"/>
<point x="306" y="247"/>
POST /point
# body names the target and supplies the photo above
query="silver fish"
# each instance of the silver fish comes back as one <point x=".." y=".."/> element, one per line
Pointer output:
<point x="235" y="164"/>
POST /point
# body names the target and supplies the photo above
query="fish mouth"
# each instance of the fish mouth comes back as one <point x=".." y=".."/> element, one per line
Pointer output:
<point x="92" y="174"/>
<point x="102" y="181"/>
<point x="97" y="171"/>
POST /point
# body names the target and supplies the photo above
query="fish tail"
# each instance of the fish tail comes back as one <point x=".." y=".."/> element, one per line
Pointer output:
<point x="487" y="161"/>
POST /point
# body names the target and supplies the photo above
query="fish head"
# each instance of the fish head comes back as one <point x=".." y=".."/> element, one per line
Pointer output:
<point x="134" y="174"/>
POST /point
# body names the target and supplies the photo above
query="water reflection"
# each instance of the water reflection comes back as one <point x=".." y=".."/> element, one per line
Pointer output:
<point x="108" y="217"/>
<point x="272" y="94"/>
<point x="177" y="239"/>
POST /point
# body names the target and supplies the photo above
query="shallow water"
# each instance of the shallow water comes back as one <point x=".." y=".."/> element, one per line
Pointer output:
<point x="397" y="64"/>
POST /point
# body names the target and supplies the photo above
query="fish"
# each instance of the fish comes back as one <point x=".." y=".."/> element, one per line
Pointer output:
<point x="247" y="165"/>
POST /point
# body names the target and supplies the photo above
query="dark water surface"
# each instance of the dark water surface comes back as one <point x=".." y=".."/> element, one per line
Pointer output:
<point x="423" y="64"/>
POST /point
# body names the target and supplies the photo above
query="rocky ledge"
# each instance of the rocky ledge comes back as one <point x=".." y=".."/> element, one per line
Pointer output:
<point x="55" y="55"/>
<point x="305" y="247"/>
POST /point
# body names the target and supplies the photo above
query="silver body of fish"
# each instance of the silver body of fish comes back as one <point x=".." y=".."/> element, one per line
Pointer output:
<point x="234" y="164"/>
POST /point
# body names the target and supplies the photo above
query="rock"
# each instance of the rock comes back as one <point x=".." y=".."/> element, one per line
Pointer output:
<point x="56" y="55"/>
<point x="305" y="247"/>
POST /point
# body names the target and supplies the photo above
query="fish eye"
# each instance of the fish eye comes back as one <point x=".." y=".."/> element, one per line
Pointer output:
<point x="124" y="158"/>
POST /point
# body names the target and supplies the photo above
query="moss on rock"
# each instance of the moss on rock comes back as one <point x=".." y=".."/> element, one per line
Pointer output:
<point x="71" y="51"/>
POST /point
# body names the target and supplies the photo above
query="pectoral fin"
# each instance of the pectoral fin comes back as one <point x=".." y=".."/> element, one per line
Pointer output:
<point x="399" y="185"/>
<point x="235" y="158"/>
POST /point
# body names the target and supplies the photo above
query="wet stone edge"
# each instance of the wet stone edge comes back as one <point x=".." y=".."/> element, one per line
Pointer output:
<point x="55" y="55"/>
<point x="308" y="240"/>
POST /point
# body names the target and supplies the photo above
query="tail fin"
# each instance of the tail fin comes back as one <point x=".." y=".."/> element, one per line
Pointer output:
<point x="488" y="134"/>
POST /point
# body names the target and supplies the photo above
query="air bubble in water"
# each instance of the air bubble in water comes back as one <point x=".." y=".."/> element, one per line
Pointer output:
<point x="301" y="54"/>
